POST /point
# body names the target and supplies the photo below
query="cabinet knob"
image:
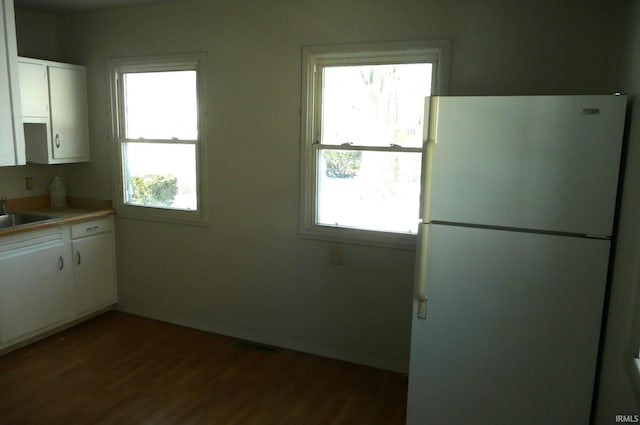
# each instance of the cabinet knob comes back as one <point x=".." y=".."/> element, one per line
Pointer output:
<point x="78" y="258"/>
<point x="57" y="140"/>
<point x="60" y="263"/>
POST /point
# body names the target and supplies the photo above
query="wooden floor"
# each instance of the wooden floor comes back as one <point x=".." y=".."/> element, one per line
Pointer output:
<point x="122" y="369"/>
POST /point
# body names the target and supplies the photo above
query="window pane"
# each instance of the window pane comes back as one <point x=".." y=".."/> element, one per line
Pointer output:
<point x="161" y="105"/>
<point x="369" y="190"/>
<point x="161" y="175"/>
<point x="374" y="105"/>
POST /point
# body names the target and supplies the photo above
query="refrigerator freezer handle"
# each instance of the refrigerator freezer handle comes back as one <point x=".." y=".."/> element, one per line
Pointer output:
<point x="421" y="270"/>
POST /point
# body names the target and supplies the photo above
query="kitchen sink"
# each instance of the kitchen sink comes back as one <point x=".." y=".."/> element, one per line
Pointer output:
<point x="21" y="219"/>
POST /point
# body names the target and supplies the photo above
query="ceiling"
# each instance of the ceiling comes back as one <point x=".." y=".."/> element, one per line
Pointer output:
<point x="79" y="5"/>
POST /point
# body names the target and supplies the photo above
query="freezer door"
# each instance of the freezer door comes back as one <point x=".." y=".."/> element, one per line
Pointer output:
<point x="534" y="162"/>
<point x="511" y="330"/>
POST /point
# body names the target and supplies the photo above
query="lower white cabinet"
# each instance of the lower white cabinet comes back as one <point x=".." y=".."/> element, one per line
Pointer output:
<point x="93" y="265"/>
<point x="36" y="286"/>
<point x="54" y="276"/>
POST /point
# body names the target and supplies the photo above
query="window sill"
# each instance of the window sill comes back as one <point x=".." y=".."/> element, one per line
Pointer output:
<point x="360" y="237"/>
<point x="194" y="218"/>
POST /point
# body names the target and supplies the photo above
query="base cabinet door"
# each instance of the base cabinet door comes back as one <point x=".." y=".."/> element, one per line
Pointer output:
<point x="94" y="270"/>
<point x="35" y="290"/>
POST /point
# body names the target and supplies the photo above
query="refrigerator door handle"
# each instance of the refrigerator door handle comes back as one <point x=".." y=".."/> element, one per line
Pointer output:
<point x="421" y="270"/>
<point x="422" y="308"/>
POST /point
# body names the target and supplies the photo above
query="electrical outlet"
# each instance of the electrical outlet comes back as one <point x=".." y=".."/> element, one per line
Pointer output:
<point x="29" y="183"/>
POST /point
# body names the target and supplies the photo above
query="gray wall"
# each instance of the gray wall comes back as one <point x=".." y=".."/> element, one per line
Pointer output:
<point x="247" y="273"/>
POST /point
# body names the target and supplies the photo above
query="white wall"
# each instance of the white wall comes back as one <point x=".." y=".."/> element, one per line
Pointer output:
<point x="247" y="273"/>
<point x="37" y="37"/>
<point x="620" y="384"/>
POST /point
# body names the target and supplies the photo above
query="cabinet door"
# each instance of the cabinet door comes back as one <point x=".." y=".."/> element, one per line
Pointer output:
<point x="69" y="119"/>
<point x="34" y="90"/>
<point x="35" y="290"/>
<point x="12" y="150"/>
<point x="94" y="269"/>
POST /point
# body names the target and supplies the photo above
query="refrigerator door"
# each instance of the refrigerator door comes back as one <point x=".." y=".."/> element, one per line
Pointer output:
<point x="533" y="162"/>
<point x="511" y="331"/>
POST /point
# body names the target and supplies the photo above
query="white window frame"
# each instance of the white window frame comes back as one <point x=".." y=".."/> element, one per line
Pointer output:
<point x="180" y="62"/>
<point x="434" y="51"/>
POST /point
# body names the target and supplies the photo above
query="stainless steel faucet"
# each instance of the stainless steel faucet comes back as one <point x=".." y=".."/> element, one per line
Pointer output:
<point x="3" y="206"/>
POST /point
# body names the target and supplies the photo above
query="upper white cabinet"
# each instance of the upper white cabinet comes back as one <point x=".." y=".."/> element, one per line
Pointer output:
<point x="54" y="111"/>
<point x="12" y="145"/>
<point x="34" y="90"/>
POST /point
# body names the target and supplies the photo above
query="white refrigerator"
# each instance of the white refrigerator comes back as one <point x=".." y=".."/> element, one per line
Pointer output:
<point x="519" y="195"/>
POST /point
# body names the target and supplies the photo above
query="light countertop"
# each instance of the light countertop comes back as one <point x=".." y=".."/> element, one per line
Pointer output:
<point x="67" y="215"/>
